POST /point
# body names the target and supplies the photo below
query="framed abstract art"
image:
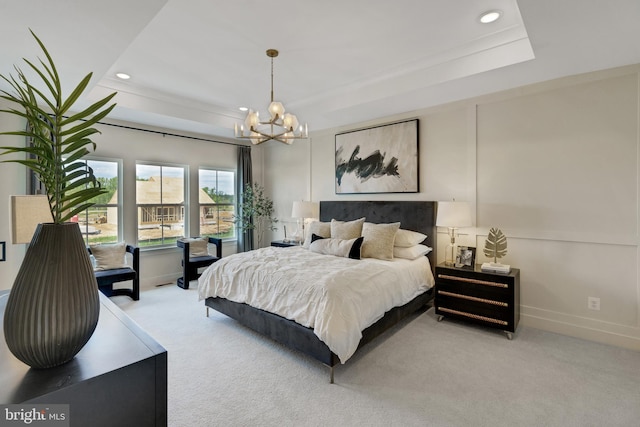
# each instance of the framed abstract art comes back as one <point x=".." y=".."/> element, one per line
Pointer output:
<point x="381" y="159"/>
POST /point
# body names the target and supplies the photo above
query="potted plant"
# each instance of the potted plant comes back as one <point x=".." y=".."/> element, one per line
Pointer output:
<point x="256" y="212"/>
<point x="53" y="306"/>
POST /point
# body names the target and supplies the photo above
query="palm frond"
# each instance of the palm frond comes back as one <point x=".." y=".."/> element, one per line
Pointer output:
<point x="56" y="143"/>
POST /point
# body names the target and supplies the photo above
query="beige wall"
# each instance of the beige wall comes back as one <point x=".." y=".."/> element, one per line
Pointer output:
<point x="554" y="165"/>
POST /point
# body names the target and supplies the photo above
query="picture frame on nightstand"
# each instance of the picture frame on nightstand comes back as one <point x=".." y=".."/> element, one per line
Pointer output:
<point x="466" y="257"/>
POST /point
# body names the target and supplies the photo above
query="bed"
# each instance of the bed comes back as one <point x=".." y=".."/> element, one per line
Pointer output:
<point x="413" y="215"/>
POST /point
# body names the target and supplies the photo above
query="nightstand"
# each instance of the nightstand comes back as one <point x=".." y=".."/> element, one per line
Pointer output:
<point x="489" y="299"/>
<point x="283" y="244"/>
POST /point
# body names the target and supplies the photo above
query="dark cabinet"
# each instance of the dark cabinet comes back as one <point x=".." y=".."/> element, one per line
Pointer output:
<point x="489" y="299"/>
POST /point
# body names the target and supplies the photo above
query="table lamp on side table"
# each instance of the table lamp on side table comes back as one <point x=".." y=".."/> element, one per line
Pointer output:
<point x="302" y="211"/>
<point x="453" y="215"/>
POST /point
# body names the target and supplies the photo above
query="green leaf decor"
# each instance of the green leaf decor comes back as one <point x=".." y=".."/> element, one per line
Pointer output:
<point x="59" y="138"/>
<point x="496" y="244"/>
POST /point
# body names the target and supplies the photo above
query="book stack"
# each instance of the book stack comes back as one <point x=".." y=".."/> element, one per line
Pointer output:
<point x="493" y="267"/>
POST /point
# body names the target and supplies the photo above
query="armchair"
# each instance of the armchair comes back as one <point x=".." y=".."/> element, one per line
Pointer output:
<point x="121" y="273"/>
<point x="194" y="258"/>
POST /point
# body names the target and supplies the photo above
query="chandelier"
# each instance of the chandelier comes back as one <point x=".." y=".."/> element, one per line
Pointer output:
<point x="280" y="127"/>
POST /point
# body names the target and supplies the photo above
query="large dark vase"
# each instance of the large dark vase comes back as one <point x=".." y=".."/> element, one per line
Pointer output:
<point x="53" y="306"/>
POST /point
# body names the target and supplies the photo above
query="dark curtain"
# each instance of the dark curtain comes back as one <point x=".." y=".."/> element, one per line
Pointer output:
<point x="245" y="178"/>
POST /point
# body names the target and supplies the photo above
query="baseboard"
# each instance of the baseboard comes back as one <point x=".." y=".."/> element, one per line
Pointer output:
<point x="152" y="282"/>
<point x="617" y="339"/>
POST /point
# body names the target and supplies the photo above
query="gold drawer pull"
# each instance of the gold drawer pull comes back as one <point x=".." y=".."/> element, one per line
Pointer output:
<point x="470" y="298"/>
<point x="475" y="281"/>
<point x="474" y="316"/>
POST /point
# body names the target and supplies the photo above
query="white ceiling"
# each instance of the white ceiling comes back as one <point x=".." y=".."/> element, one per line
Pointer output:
<point x="194" y="62"/>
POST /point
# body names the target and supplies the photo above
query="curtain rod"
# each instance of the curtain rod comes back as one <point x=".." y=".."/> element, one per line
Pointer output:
<point x="173" y="134"/>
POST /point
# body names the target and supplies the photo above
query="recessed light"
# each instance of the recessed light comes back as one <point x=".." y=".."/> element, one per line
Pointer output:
<point x="123" y="76"/>
<point x="243" y="109"/>
<point x="491" y="16"/>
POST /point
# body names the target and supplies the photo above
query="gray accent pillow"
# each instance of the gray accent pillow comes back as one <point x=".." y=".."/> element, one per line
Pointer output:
<point x="346" y="230"/>
<point x="378" y="240"/>
<point x="110" y="256"/>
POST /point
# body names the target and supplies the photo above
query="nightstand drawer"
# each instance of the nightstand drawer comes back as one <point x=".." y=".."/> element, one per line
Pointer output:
<point x="474" y="287"/>
<point x="478" y="306"/>
<point x="490" y="320"/>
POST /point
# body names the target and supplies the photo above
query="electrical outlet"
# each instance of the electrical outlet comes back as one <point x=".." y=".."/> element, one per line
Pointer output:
<point x="593" y="303"/>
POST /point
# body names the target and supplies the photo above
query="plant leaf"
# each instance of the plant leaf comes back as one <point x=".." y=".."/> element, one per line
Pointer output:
<point x="55" y="143"/>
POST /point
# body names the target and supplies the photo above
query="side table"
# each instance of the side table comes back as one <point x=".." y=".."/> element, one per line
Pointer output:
<point x="470" y="294"/>
<point x="119" y="378"/>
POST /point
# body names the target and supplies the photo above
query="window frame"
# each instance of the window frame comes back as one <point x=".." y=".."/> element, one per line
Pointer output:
<point x="233" y="204"/>
<point x="181" y="209"/>
<point x="119" y="203"/>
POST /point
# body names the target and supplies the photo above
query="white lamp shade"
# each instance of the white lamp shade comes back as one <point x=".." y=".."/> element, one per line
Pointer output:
<point x="305" y="210"/>
<point x="453" y="214"/>
<point x="26" y="213"/>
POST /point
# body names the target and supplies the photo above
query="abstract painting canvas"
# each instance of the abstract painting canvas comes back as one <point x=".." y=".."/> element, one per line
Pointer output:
<point x="381" y="159"/>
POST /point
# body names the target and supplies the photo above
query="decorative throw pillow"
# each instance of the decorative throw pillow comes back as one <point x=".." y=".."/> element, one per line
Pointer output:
<point x="322" y="229"/>
<point x="346" y="230"/>
<point x="198" y="246"/>
<point x="378" y="240"/>
<point x="109" y="257"/>
<point x="414" y="252"/>
<point x="337" y="247"/>
<point x="408" y="238"/>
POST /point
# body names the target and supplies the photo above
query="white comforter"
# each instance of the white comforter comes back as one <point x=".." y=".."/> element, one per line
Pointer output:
<point x="337" y="297"/>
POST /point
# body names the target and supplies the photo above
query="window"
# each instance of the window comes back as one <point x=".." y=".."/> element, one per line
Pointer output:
<point x="101" y="222"/>
<point x="217" y="203"/>
<point x="160" y="200"/>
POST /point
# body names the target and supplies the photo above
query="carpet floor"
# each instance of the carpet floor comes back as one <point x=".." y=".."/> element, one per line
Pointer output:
<point x="420" y="373"/>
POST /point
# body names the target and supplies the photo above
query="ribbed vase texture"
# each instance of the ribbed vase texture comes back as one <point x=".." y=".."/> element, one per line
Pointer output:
<point x="53" y="306"/>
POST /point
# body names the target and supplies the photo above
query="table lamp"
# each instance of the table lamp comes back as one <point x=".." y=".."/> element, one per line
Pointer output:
<point x="303" y="210"/>
<point x="453" y="215"/>
<point x="26" y="213"/>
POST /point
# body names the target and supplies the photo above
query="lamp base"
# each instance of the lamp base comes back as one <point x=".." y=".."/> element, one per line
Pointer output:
<point x="449" y="256"/>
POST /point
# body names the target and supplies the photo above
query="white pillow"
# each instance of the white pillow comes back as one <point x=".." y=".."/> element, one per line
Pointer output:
<point x="414" y="252"/>
<point x="346" y="230"/>
<point x="408" y="238"/>
<point x="198" y="246"/>
<point x="110" y="256"/>
<point x="322" y="229"/>
<point x="378" y="240"/>
<point x="337" y="247"/>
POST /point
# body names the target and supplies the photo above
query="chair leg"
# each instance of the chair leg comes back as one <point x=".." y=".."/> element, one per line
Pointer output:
<point x="136" y="290"/>
<point x="182" y="283"/>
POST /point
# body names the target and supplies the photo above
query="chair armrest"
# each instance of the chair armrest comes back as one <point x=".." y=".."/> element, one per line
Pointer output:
<point x="135" y="251"/>
<point x="218" y="243"/>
